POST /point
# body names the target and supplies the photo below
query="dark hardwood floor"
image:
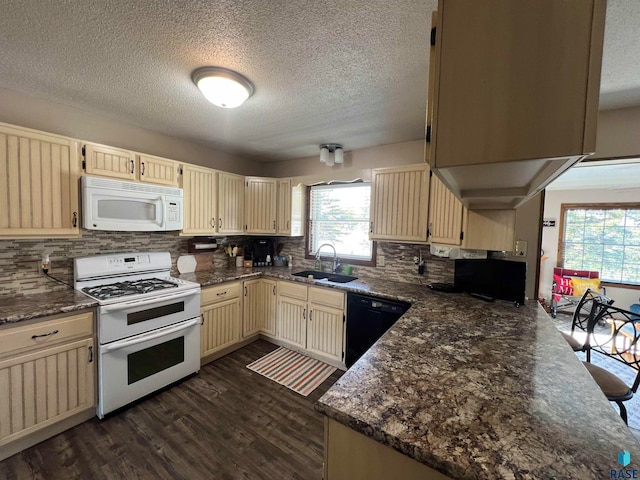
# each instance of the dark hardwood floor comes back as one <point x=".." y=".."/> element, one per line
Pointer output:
<point x="225" y="423"/>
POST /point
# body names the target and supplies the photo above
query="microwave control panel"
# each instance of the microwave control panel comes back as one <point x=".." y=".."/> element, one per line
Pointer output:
<point x="173" y="212"/>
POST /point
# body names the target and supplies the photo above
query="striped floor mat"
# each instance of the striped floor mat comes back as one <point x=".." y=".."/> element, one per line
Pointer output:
<point x="293" y="370"/>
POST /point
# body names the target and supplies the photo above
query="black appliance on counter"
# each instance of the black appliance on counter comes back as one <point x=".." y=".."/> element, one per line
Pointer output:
<point x="368" y="318"/>
<point x="263" y="252"/>
<point x="491" y="279"/>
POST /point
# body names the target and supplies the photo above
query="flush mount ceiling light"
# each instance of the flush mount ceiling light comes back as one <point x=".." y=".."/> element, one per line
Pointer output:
<point x="223" y="87"/>
<point x="331" y="153"/>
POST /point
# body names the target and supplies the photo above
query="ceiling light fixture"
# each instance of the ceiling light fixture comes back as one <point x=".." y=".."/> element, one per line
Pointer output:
<point x="223" y="87"/>
<point x="331" y="153"/>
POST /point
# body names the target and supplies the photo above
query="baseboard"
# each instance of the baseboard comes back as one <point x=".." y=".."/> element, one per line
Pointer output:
<point x="228" y="350"/>
<point x="47" y="432"/>
<point x="283" y="343"/>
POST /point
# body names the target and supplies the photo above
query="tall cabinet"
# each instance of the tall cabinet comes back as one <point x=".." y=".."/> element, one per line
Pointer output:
<point x="513" y="100"/>
<point x="39" y="180"/>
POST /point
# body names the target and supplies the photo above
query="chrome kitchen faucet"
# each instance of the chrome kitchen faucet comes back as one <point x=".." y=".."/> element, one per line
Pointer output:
<point x="336" y="260"/>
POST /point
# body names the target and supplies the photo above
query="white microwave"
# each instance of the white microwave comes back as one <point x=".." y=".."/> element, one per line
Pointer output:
<point x="129" y="206"/>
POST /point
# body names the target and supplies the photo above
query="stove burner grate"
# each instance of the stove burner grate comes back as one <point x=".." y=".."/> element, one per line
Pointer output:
<point x="123" y="289"/>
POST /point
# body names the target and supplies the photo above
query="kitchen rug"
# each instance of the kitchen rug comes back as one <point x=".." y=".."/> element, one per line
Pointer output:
<point x="293" y="370"/>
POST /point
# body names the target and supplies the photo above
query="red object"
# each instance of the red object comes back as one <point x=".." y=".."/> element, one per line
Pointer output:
<point x="563" y="285"/>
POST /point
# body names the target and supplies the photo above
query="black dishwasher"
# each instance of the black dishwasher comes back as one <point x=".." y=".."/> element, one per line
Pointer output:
<point x="367" y="320"/>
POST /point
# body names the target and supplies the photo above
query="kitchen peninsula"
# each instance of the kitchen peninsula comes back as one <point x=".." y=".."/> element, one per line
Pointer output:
<point x="465" y="388"/>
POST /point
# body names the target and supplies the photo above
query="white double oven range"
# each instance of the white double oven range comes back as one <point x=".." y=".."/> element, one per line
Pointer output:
<point x="148" y="324"/>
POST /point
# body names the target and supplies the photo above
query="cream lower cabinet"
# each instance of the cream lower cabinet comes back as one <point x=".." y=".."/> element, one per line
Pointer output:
<point x="259" y="307"/>
<point x="326" y="323"/>
<point x="39" y="183"/>
<point x="291" y="322"/>
<point x="399" y="203"/>
<point x="47" y="379"/>
<point x="312" y="319"/>
<point x="221" y="310"/>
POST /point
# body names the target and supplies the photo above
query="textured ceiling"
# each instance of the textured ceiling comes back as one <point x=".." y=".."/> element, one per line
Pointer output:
<point x="351" y="72"/>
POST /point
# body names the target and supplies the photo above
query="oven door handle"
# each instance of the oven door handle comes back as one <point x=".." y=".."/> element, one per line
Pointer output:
<point x="145" y="337"/>
<point x="142" y="303"/>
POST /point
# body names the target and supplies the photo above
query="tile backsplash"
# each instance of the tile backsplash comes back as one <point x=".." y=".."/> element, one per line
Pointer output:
<point x="20" y="259"/>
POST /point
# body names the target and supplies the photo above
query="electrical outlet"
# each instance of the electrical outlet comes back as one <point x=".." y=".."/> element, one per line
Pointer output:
<point x="521" y="248"/>
<point x="381" y="260"/>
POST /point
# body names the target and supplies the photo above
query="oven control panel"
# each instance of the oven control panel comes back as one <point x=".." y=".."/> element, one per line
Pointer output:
<point x="128" y="262"/>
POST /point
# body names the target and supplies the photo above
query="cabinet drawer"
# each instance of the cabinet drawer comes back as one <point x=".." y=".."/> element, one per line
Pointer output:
<point x="324" y="296"/>
<point x="293" y="290"/>
<point x="47" y="332"/>
<point x="220" y="292"/>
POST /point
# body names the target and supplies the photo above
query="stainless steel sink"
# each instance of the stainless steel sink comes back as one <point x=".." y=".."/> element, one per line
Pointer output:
<point x="331" y="277"/>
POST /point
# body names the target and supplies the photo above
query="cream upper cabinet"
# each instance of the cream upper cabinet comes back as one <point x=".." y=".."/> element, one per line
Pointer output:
<point x="283" y="220"/>
<point x="158" y="170"/>
<point x="39" y="179"/>
<point x="47" y="374"/>
<point x="109" y="162"/>
<point x="221" y="312"/>
<point x="291" y="208"/>
<point x="113" y="162"/>
<point x="515" y="95"/>
<point x="399" y="203"/>
<point x="230" y="203"/>
<point x="445" y="215"/>
<point x="199" y="186"/>
<point x="260" y="205"/>
<point x="489" y="229"/>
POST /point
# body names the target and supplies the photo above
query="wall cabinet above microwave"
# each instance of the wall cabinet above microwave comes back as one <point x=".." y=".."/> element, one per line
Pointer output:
<point x="513" y="95"/>
<point x="118" y="163"/>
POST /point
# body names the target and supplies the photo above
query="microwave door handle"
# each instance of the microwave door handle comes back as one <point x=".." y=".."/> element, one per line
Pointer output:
<point x="142" y="303"/>
<point x="127" y="342"/>
<point x="160" y="220"/>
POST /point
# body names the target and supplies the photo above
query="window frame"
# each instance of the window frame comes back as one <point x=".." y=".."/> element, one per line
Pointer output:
<point x="593" y="206"/>
<point x="324" y="256"/>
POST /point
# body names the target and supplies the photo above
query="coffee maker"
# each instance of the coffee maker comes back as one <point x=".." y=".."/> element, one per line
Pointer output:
<point x="263" y="252"/>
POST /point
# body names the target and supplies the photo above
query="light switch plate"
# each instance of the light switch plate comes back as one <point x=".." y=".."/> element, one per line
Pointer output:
<point x="381" y="260"/>
<point x="521" y="248"/>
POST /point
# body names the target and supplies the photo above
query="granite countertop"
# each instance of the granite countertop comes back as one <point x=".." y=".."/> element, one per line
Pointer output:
<point x="472" y="389"/>
<point x="26" y="307"/>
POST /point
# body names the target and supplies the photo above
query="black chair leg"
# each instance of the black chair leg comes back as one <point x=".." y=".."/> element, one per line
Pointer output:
<point x="623" y="411"/>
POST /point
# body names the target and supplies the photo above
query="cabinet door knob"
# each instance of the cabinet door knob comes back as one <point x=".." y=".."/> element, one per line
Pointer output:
<point x="141" y="168"/>
<point x="74" y="220"/>
<point x="287" y="224"/>
<point x="274" y="289"/>
<point x="213" y="222"/>
<point x="274" y="224"/>
<point x="133" y="166"/>
<point x="220" y="224"/>
<point x="304" y="314"/>
<point x="245" y="291"/>
<point x="90" y="354"/>
<point x="370" y="227"/>
<point x="311" y="315"/>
